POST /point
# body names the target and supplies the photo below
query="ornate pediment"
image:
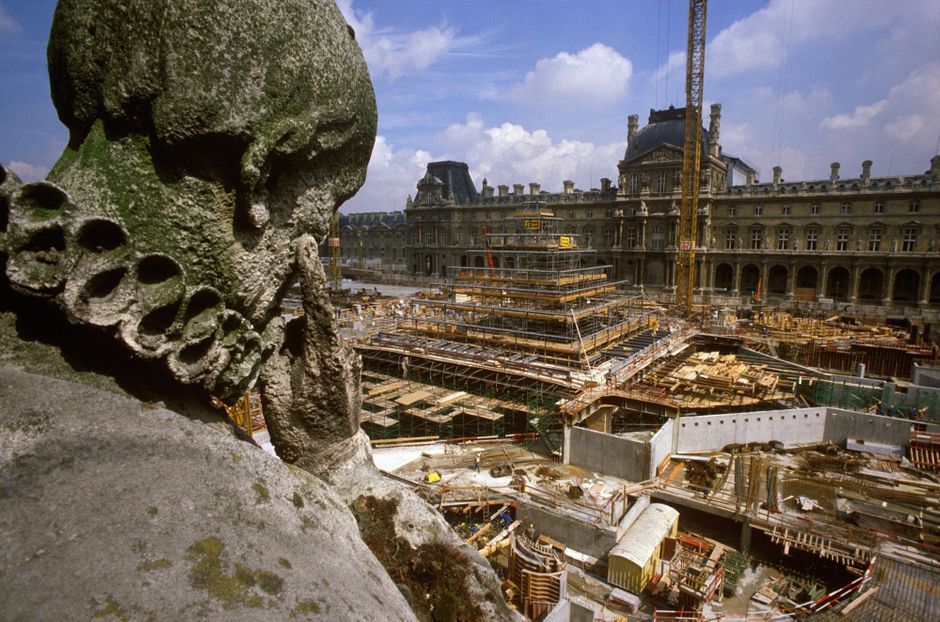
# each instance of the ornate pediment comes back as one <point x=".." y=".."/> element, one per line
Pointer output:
<point x="662" y="154"/>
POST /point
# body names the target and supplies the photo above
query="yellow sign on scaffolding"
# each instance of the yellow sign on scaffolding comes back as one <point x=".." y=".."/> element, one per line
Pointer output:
<point x="532" y="225"/>
<point x="564" y="241"/>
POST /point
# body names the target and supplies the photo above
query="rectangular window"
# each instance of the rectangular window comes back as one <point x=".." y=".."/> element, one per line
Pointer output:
<point x="730" y="238"/>
<point x="879" y="207"/>
<point x="631" y="238"/>
<point x="609" y="213"/>
<point x="428" y="238"/>
<point x="914" y="206"/>
<point x="783" y="239"/>
<point x="571" y="213"/>
<point x="757" y="238"/>
<point x="814" y="209"/>
<point x="874" y="240"/>
<point x="786" y="210"/>
<point x="842" y="239"/>
<point x="846" y="208"/>
<point x="589" y="214"/>
<point x="909" y="243"/>
<point x="758" y="210"/>
<point x="661" y="182"/>
<point x="634" y="184"/>
<point x="812" y="237"/>
<point x="732" y="210"/>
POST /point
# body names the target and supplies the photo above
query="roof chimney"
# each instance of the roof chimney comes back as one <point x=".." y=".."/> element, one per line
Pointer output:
<point x="534" y="188"/>
<point x="518" y="189"/>
<point x="487" y="189"/>
<point x="714" y="129"/>
<point x="503" y="190"/>
<point x="834" y="172"/>
<point x="778" y="171"/>
<point x="633" y="122"/>
<point x="605" y="184"/>
<point x="866" y="170"/>
<point x="569" y="186"/>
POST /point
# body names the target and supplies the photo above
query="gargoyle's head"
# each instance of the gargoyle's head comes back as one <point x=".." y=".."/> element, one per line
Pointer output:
<point x="206" y="136"/>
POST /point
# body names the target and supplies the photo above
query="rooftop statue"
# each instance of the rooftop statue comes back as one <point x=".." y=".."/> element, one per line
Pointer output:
<point x="210" y="142"/>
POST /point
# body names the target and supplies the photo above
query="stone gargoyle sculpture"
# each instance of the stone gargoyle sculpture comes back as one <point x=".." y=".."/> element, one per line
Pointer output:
<point x="210" y="142"/>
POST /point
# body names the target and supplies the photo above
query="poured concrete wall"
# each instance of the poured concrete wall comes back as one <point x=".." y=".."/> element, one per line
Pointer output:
<point x="581" y="536"/>
<point x="712" y="432"/>
<point x="845" y="424"/>
<point x="661" y="445"/>
<point x="621" y="457"/>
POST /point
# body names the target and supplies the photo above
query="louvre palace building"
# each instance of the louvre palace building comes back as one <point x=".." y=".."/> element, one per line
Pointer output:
<point x="844" y="239"/>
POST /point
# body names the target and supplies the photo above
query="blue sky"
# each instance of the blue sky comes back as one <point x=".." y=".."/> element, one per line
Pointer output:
<point x="539" y="91"/>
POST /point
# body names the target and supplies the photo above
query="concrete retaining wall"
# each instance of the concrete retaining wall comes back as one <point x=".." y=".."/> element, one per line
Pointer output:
<point x="625" y="458"/>
<point x="844" y="424"/>
<point x="660" y="446"/>
<point x="712" y="432"/>
<point x="582" y="537"/>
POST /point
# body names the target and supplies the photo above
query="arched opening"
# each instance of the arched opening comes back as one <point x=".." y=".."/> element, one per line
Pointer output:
<point x="463" y="261"/>
<point x="935" y="289"/>
<point x="906" y="284"/>
<point x="428" y="265"/>
<point x="777" y="280"/>
<point x="871" y="284"/>
<point x="750" y="275"/>
<point x="837" y="285"/>
<point x="509" y="262"/>
<point x="655" y="273"/>
<point x="477" y="262"/>
<point x="724" y="276"/>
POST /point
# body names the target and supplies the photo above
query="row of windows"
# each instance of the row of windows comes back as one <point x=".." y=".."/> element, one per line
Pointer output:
<point x="878" y="207"/>
<point x="908" y="240"/>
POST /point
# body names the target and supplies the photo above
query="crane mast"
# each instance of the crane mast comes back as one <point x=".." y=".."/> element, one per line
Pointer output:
<point x="692" y="154"/>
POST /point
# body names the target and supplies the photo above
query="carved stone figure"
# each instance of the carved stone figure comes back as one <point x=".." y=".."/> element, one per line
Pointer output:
<point x="210" y="143"/>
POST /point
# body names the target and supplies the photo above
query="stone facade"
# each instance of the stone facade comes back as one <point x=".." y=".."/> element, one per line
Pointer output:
<point x="374" y="240"/>
<point x="857" y="239"/>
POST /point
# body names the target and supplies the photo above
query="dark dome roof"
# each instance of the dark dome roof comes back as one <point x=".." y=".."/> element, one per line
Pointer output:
<point x="665" y="127"/>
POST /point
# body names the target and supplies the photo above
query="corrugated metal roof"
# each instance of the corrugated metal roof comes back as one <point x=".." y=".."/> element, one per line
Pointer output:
<point x="640" y="541"/>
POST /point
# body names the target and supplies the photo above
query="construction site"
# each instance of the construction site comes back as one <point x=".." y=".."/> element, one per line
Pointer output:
<point x="616" y="457"/>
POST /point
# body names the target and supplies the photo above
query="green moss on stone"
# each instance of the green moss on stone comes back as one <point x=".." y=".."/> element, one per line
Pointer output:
<point x="262" y="492"/>
<point x="159" y="564"/>
<point x="111" y="610"/>
<point x="305" y="607"/>
<point x="212" y="573"/>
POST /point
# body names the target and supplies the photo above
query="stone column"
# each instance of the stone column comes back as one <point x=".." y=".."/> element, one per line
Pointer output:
<point x="924" y="288"/>
<point x="823" y="280"/>
<point x="764" y="275"/>
<point x="736" y="280"/>
<point x="791" y="281"/>
<point x="889" y="287"/>
<point x="856" y="275"/>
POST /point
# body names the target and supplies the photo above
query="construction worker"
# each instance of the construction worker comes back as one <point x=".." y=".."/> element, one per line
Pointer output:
<point x="476" y="459"/>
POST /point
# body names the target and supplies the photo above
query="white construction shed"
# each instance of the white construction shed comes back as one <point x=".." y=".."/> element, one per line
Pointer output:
<point x="632" y="562"/>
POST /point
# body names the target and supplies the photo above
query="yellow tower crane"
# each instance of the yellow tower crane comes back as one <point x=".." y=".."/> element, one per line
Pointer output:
<point x="692" y="154"/>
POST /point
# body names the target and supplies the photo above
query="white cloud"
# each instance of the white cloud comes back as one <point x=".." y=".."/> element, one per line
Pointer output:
<point x="596" y="75"/>
<point x="391" y="177"/>
<point x="913" y="106"/>
<point x="763" y="38"/>
<point x="395" y="53"/>
<point x="907" y="127"/>
<point x="28" y="172"/>
<point x="7" y="23"/>
<point x="859" y="118"/>
<point x="504" y="154"/>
